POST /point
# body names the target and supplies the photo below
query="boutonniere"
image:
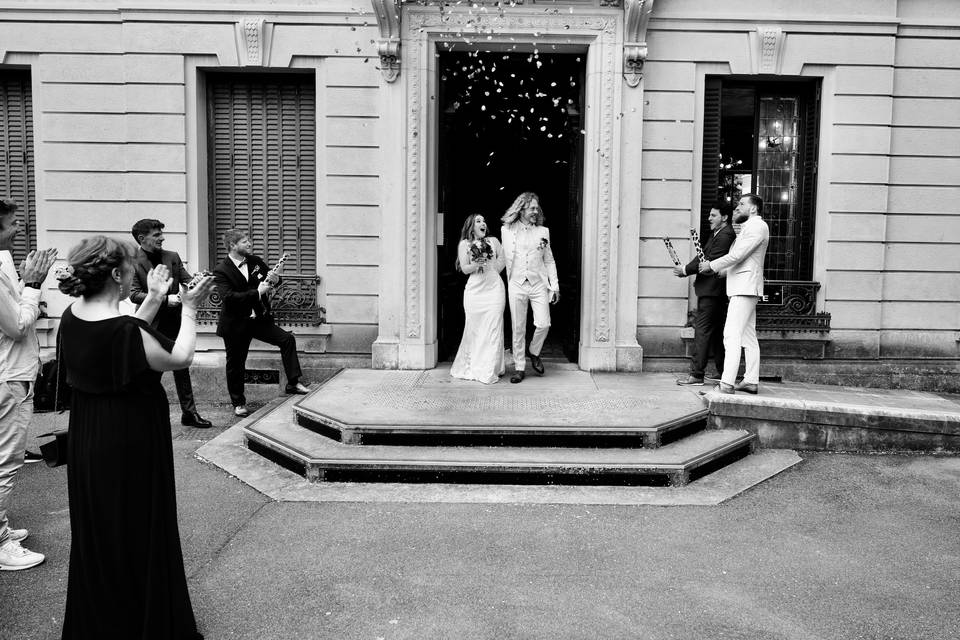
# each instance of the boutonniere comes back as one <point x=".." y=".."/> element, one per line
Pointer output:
<point x="256" y="270"/>
<point x="543" y="244"/>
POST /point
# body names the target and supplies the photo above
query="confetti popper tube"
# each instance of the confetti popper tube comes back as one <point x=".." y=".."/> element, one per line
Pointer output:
<point x="695" y="239"/>
<point x="672" y="251"/>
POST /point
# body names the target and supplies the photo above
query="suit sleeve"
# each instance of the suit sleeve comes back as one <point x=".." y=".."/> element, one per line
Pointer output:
<point x="179" y="273"/>
<point x="552" y="281"/>
<point x="507" y="242"/>
<point x="750" y="238"/>
<point x="692" y="267"/>
<point x="138" y="286"/>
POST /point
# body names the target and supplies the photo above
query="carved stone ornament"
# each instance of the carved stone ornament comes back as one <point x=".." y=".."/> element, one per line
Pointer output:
<point x="636" y="18"/>
<point x="388" y="47"/>
<point x="768" y="48"/>
<point x="251" y="32"/>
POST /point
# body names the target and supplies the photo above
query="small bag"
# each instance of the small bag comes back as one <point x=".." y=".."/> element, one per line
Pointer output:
<point x="55" y="452"/>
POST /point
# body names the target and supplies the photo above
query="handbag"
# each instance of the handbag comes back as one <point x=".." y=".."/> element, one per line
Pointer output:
<point x="55" y="452"/>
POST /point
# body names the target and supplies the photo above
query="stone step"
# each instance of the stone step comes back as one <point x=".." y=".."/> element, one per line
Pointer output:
<point x="564" y="408"/>
<point x="319" y="458"/>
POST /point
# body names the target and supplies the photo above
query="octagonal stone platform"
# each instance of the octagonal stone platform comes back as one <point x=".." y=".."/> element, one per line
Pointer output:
<point x="567" y="408"/>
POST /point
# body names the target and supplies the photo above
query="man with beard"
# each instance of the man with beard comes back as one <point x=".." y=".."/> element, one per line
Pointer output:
<point x="244" y="283"/>
<point x="149" y="235"/>
<point x="531" y="278"/>
<point x="744" y="272"/>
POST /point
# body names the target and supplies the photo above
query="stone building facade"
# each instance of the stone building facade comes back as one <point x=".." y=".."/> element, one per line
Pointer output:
<point x="347" y="133"/>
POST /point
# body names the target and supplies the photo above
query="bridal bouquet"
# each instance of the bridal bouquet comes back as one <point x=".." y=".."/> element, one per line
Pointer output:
<point x="480" y="250"/>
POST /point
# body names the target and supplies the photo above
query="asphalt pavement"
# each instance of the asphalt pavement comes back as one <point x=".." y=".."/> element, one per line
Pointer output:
<point x="840" y="546"/>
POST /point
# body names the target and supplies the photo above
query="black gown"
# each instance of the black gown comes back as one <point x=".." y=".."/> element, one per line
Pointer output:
<point x="126" y="566"/>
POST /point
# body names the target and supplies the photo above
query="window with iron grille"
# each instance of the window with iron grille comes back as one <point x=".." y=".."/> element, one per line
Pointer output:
<point x="262" y="165"/>
<point x="761" y="137"/>
<point x="262" y="178"/>
<point x="16" y="155"/>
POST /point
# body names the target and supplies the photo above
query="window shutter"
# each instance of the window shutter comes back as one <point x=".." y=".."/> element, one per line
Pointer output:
<point x="710" y="172"/>
<point x="808" y="185"/>
<point x="16" y="156"/>
<point x="262" y="157"/>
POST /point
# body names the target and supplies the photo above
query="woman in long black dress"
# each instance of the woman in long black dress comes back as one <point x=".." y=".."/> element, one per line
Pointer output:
<point x="126" y="566"/>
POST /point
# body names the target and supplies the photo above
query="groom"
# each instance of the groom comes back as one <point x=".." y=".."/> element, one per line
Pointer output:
<point x="531" y="278"/>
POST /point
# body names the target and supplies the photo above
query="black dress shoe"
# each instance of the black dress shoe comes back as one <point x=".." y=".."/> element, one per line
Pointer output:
<point x="297" y="389"/>
<point x="518" y="376"/>
<point x="537" y="364"/>
<point x="193" y="419"/>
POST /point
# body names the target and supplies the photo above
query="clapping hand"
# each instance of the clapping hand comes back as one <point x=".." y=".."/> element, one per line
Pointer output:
<point x="705" y="267"/>
<point x="37" y="265"/>
<point x="193" y="296"/>
<point x="158" y="281"/>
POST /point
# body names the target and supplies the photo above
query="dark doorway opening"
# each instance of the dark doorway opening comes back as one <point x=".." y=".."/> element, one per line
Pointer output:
<point x="511" y="122"/>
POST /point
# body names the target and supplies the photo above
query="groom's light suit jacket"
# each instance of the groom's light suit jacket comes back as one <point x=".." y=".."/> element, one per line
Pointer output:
<point x="744" y="262"/>
<point x="540" y="260"/>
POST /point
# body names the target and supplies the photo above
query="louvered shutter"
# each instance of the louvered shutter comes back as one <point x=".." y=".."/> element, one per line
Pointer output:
<point x="16" y="155"/>
<point x="262" y="165"/>
<point x="808" y="185"/>
<point x="710" y="171"/>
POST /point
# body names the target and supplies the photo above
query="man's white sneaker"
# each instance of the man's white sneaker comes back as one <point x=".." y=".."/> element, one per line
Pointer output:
<point x="17" y="534"/>
<point x="13" y="557"/>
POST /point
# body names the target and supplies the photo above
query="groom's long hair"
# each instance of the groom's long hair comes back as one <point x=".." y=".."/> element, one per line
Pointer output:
<point x="513" y="213"/>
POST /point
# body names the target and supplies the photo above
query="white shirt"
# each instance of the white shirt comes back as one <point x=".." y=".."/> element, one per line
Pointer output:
<point x="19" y="310"/>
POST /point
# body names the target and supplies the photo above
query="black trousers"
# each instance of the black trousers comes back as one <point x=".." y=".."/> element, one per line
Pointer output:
<point x="708" y="334"/>
<point x="238" y="345"/>
<point x="169" y="325"/>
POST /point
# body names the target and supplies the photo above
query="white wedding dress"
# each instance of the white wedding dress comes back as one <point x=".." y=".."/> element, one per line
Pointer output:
<point x="480" y="356"/>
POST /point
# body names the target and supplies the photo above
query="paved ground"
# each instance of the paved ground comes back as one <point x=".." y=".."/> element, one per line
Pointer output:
<point x="839" y="546"/>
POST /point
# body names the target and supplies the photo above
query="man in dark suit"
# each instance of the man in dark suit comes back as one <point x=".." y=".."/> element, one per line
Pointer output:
<point x="149" y="235"/>
<point x="711" y="297"/>
<point x="244" y="282"/>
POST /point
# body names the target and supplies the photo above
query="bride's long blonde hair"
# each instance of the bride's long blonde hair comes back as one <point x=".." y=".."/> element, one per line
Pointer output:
<point x="513" y="213"/>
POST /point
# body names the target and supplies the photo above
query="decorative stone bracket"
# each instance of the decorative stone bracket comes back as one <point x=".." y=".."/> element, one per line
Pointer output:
<point x="251" y="32"/>
<point x="767" y="49"/>
<point x="636" y="18"/>
<point x="388" y="47"/>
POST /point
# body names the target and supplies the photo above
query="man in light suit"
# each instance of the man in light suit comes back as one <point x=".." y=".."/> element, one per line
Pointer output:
<point x="744" y="272"/>
<point x="149" y="235"/>
<point x="19" y="362"/>
<point x="531" y="278"/>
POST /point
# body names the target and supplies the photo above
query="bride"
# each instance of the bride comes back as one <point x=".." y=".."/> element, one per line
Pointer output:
<point x="480" y="356"/>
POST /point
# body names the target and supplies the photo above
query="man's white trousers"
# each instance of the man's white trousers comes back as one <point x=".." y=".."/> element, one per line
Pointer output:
<point x="740" y="330"/>
<point x="538" y="297"/>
